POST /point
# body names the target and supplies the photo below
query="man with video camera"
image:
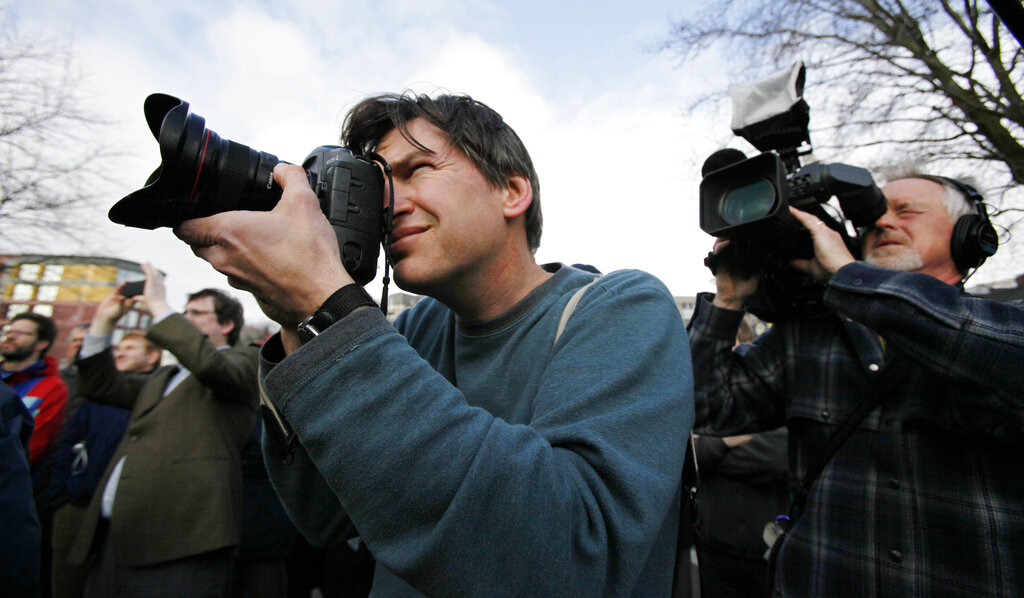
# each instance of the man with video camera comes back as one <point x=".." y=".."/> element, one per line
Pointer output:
<point x="924" y="494"/>
<point x="475" y="448"/>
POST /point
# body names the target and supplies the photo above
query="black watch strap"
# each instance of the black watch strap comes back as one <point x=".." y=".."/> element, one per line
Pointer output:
<point x="338" y="305"/>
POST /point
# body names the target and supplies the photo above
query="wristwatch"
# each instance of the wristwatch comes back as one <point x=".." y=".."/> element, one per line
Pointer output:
<point x="340" y="304"/>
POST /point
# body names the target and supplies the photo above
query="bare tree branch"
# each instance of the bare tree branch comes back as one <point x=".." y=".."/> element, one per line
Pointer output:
<point x="920" y="79"/>
<point x="49" y="148"/>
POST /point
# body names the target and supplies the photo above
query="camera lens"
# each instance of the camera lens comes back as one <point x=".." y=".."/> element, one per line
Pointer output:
<point x="223" y="173"/>
<point x="748" y="203"/>
<point x="200" y="173"/>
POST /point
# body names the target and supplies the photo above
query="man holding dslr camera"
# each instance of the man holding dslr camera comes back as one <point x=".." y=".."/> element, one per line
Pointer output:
<point x="476" y="449"/>
<point x="924" y="496"/>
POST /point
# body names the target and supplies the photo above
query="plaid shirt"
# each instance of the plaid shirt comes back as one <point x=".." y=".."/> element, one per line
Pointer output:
<point x="926" y="497"/>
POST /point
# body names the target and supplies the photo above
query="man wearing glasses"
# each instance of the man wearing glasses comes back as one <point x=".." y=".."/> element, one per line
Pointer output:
<point x="166" y="516"/>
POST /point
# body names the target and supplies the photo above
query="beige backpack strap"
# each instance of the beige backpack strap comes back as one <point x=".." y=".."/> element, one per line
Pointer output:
<point x="571" y="307"/>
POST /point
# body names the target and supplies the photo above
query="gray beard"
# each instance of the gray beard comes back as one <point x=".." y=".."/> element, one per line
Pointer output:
<point x="902" y="259"/>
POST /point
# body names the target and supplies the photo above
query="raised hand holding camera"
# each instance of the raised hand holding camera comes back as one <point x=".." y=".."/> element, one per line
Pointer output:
<point x="830" y="251"/>
<point x="287" y="257"/>
<point x="154" y="293"/>
<point x="732" y="288"/>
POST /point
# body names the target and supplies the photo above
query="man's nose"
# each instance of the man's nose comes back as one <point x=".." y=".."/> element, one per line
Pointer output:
<point x="402" y="194"/>
<point x="886" y="220"/>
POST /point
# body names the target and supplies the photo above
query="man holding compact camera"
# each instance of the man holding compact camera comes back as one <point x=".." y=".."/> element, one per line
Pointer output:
<point x="166" y="516"/>
<point x="90" y="436"/>
<point x="923" y="494"/>
<point x="476" y="447"/>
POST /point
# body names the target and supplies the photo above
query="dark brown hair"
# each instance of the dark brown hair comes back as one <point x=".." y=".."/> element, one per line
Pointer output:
<point x="472" y="127"/>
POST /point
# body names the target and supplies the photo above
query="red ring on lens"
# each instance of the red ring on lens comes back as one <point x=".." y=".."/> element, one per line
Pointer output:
<point x="202" y="160"/>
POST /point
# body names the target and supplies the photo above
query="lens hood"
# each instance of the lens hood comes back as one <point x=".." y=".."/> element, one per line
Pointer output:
<point x="160" y="201"/>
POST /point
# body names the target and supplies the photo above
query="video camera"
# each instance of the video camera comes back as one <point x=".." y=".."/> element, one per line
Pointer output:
<point x="202" y="174"/>
<point x="746" y="200"/>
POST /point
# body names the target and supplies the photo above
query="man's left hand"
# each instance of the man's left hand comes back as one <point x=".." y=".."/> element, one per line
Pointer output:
<point x="830" y="252"/>
<point x="154" y="293"/>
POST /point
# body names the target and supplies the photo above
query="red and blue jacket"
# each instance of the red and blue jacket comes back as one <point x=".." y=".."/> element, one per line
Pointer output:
<point x="45" y="395"/>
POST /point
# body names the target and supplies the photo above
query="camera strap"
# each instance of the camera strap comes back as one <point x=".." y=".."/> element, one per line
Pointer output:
<point x="882" y="386"/>
<point x="386" y="229"/>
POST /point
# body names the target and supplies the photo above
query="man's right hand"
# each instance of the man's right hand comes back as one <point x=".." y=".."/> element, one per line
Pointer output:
<point x="288" y="258"/>
<point x="108" y="312"/>
<point x="731" y="290"/>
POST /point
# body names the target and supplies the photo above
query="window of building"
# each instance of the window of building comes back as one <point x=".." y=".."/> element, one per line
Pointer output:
<point x="43" y="309"/>
<point x="23" y="292"/>
<point x="15" y="309"/>
<point x="29" y="271"/>
<point x="47" y="293"/>
<point x="123" y="275"/>
<point x="53" y="273"/>
<point x="130" y="319"/>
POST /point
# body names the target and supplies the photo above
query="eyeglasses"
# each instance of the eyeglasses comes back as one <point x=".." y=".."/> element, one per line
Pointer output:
<point x="197" y="312"/>
<point x="11" y="333"/>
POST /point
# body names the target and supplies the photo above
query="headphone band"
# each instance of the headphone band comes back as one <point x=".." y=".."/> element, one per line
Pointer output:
<point x="970" y="194"/>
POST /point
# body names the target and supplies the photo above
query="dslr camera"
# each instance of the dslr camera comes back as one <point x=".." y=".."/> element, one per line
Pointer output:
<point x="747" y="200"/>
<point x="201" y="174"/>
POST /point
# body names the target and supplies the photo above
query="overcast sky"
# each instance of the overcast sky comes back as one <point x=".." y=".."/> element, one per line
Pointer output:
<point x="603" y="113"/>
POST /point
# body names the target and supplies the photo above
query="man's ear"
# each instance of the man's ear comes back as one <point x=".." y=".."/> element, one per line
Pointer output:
<point x="46" y="345"/>
<point x="518" y="196"/>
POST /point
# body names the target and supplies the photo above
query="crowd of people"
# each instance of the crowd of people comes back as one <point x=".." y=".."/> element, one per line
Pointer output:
<point x="521" y="431"/>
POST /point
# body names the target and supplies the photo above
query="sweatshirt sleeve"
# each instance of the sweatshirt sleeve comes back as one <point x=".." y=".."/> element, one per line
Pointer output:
<point x="737" y="391"/>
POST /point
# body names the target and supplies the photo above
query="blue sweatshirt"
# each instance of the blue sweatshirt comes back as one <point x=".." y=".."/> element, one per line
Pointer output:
<point x="489" y="459"/>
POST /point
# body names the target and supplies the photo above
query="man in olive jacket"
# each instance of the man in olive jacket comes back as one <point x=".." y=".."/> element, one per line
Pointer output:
<point x="166" y="516"/>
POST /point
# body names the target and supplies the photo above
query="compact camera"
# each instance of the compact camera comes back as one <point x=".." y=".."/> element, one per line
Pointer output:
<point x="202" y="174"/>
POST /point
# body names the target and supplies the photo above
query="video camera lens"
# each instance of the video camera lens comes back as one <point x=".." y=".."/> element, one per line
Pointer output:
<point x="200" y="174"/>
<point x="748" y="203"/>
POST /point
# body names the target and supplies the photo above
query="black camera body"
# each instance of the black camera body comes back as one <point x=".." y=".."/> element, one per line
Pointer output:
<point x="351" y="193"/>
<point x="133" y="288"/>
<point x="201" y="174"/>
<point x="747" y="201"/>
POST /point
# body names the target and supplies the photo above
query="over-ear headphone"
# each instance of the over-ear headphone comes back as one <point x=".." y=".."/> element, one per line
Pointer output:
<point x="974" y="238"/>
